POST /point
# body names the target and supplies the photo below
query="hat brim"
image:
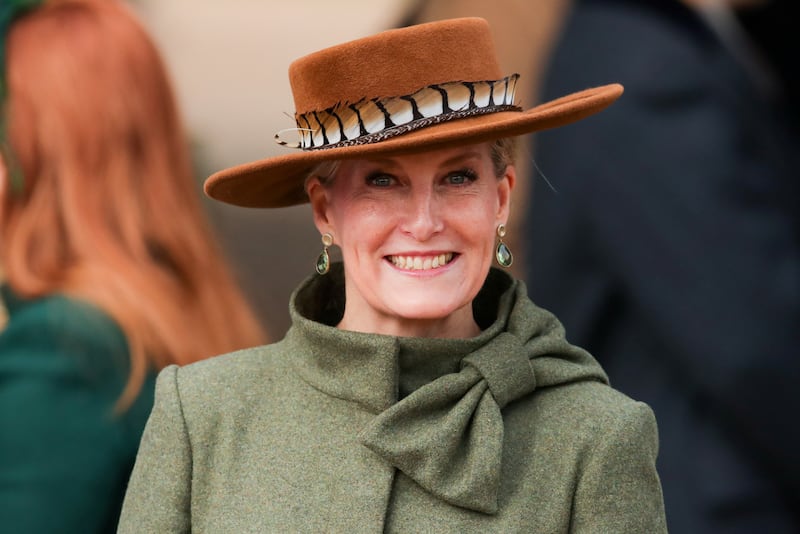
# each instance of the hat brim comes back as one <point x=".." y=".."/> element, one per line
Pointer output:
<point x="279" y="181"/>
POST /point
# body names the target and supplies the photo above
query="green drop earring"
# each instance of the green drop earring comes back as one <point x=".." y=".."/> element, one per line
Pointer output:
<point x="324" y="260"/>
<point x="502" y="253"/>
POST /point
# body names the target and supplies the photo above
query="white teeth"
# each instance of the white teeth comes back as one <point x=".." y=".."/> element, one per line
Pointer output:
<point x="420" y="263"/>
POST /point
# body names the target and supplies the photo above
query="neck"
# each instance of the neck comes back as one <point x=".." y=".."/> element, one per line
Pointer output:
<point x="458" y="325"/>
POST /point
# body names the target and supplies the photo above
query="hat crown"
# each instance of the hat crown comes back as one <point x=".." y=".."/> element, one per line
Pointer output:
<point x="394" y="62"/>
<point x="401" y="91"/>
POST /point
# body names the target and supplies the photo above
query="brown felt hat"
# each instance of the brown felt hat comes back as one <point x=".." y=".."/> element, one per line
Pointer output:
<point x="406" y="90"/>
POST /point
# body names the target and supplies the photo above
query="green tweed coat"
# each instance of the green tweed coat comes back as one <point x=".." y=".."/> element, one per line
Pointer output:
<point x="514" y="430"/>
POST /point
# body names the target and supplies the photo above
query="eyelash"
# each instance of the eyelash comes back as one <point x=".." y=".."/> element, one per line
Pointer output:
<point x="372" y="179"/>
<point x="468" y="174"/>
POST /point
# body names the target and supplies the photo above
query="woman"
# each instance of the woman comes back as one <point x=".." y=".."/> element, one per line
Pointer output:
<point x="109" y="265"/>
<point x="418" y="389"/>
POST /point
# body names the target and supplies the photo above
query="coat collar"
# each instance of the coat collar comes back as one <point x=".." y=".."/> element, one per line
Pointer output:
<point x="437" y="402"/>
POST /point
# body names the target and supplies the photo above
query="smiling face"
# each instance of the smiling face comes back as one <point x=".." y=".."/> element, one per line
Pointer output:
<point x="417" y="235"/>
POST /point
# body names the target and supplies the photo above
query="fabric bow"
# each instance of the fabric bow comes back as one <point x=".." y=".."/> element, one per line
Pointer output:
<point x="448" y="434"/>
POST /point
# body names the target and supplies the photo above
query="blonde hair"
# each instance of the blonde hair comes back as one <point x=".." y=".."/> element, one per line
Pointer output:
<point x="108" y="210"/>
<point x="503" y="153"/>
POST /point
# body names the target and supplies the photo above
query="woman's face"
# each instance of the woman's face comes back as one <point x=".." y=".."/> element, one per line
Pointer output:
<point x="417" y="235"/>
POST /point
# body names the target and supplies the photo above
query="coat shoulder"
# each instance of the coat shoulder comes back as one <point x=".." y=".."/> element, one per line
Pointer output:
<point x="60" y="335"/>
<point x="588" y="412"/>
<point x="234" y="371"/>
<point x="63" y="322"/>
<point x="595" y="401"/>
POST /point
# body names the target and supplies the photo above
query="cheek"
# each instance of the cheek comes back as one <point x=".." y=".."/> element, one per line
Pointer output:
<point x="479" y="213"/>
<point x="481" y="225"/>
<point x="360" y="224"/>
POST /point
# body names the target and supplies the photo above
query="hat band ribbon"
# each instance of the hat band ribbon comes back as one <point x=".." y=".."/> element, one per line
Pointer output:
<point x="377" y="119"/>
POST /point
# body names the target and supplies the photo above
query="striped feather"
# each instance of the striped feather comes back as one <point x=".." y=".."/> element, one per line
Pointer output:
<point x="371" y="120"/>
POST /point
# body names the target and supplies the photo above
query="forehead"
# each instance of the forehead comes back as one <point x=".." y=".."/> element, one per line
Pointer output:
<point x="477" y="153"/>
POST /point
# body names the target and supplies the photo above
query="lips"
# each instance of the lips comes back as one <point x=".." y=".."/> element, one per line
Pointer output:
<point x="421" y="263"/>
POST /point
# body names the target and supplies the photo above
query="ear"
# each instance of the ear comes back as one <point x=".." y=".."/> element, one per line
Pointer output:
<point x="318" y="197"/>
<point x="505" y="185"/>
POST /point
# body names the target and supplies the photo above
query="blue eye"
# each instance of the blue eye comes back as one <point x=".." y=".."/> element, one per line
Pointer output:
<point x="462" y="177"/>
<point x="380" y="180"/>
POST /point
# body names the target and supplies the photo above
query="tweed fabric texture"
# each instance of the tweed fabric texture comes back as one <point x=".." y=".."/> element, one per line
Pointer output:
<point x="337" y="431"/>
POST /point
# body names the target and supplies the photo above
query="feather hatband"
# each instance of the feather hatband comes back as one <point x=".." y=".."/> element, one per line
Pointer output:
<point x="376" y="119"/>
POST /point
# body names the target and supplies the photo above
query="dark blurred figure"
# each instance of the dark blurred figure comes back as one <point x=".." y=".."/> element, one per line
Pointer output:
<point x="669" y="247"/>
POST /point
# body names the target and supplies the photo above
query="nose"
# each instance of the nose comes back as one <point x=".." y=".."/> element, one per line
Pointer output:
<point x="423" y="215"/>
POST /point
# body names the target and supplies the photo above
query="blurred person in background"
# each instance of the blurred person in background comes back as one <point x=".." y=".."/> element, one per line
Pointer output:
<point x="110" y="269"/>
<point x="668" y="242"/>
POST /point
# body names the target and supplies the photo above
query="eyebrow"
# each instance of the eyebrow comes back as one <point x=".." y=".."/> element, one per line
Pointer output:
<point x="461" y="156"/>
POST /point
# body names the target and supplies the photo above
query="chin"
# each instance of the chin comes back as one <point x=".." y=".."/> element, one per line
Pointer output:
<point x="423" y="309"/>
